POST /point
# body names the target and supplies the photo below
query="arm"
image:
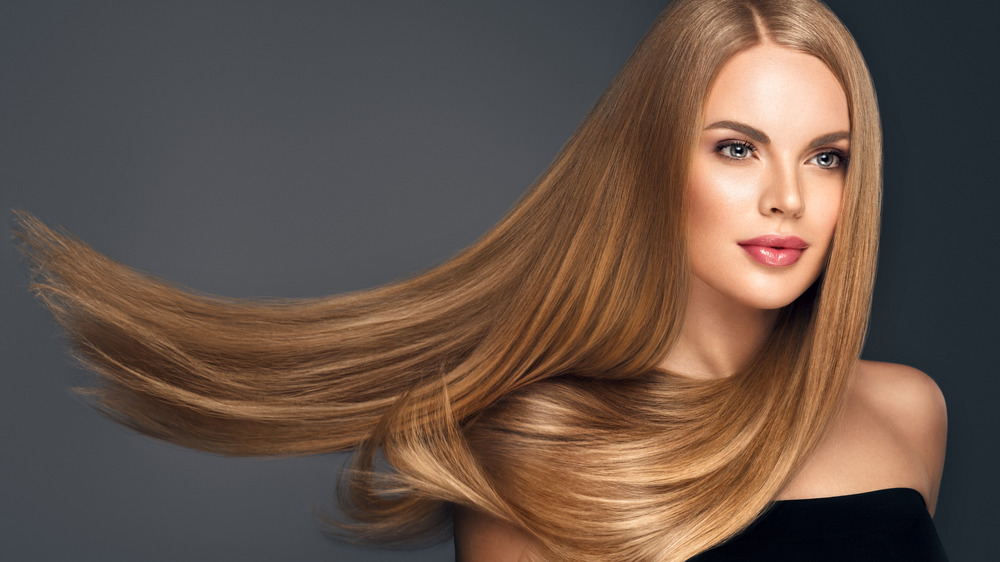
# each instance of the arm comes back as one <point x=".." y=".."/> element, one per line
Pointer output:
<point x="913" y="405"/>
<point x="928" y="427"/>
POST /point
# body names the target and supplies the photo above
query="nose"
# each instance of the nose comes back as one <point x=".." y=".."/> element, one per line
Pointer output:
<point x="782" y="193"/>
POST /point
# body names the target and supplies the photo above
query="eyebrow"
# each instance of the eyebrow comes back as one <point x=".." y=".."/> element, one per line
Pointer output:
<point x="758" y="136"/>
<point x="755" y="134"/>
<point x="827" y="139"/>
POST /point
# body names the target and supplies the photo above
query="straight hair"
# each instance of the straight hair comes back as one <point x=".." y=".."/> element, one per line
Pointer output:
<point x="520" y="378"/>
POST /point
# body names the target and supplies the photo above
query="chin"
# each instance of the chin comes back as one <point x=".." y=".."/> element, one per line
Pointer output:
<point x="754" y="291"/>
<point x="769" y="297"/>
<point x="765" y="303"/>
<point x="776" y="304"/>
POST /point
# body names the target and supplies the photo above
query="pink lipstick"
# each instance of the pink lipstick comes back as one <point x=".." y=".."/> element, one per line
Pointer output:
<point x="773" y="249"/>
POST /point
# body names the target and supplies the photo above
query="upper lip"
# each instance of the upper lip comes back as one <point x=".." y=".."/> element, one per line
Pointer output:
<point x="776" y="241"/>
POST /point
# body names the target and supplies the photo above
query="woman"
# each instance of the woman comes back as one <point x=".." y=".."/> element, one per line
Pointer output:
<point x="659" y="341"/>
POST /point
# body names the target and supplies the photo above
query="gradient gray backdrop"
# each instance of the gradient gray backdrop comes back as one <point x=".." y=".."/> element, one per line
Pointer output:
<point x="303" y="148"/>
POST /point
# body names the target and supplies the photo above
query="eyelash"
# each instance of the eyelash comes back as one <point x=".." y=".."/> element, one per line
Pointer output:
<point x="842" y="157"/>
<point x="722" y="147"/>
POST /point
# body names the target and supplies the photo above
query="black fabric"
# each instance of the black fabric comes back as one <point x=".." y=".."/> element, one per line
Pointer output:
<point x="884" y="525"/>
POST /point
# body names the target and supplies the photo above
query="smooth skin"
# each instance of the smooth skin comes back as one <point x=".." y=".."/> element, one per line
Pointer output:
<point x="772" y="160"/>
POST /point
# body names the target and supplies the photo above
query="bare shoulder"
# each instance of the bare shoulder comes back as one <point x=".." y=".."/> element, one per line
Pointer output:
<point x="481" y="538"/>
<point x="911" y="403"/>
<point x="901" y="393"/>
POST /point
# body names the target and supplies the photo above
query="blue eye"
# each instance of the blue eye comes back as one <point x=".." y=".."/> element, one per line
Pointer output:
<point x="736" y="150"/>
<point x="829" y="159"/>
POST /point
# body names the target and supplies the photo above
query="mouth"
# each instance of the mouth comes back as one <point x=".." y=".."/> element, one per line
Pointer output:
<point x="774" y="250"/>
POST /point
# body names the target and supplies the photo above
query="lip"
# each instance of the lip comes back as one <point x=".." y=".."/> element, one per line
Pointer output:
<point x="774" y="249"/>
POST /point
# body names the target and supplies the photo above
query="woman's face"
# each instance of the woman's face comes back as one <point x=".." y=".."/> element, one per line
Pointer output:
<point x="767" y="177"/>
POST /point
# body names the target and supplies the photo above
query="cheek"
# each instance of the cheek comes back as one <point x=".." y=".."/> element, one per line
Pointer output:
<point x="717" y="199"/>
<point x="827" y="212"/>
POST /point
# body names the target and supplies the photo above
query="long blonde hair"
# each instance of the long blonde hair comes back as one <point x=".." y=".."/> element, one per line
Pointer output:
<point x="520" y="377"/>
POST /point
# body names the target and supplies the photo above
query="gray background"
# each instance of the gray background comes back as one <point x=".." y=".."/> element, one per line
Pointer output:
<point x="304" y="148"/>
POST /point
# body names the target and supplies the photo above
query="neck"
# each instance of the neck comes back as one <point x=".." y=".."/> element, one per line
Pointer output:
<point x="718" y="337"/>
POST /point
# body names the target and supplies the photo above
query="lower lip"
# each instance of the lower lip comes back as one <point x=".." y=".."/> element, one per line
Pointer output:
<point x="773" y="256"/>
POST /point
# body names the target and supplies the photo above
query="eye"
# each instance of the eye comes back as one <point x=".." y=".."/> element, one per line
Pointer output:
<point x="736" y="150"/>
<point x="829" y="159"/>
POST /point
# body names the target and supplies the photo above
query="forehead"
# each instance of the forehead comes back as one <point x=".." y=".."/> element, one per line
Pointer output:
<point x="781" y="91"/>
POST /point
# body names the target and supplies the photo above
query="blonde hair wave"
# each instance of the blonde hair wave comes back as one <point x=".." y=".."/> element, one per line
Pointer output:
<point x="520" y="377"/>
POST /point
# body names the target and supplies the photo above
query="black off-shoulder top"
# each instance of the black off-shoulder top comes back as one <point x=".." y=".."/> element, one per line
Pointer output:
<point x="884" y="526"/>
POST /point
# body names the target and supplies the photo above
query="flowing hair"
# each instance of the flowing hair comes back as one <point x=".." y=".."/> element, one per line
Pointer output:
<point x="520" y="378"/>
